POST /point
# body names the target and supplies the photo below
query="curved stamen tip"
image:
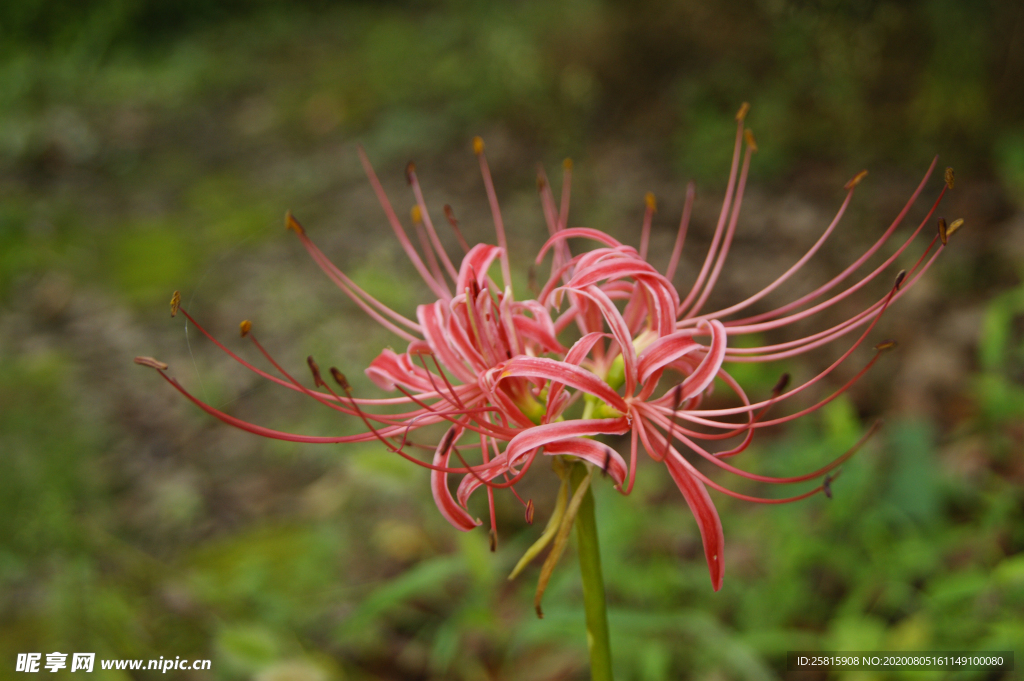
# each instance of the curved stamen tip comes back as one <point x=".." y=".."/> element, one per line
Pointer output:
<point x="494" y="540"/>
<point x="748" y="135"/>
<point x="410" y="171"/>
<point x="744" y="110"/>
<point x="416" y="214"/>
<point x="175" y="303"/>
<point x="151" y="363"/>
<point x="943" y="231"/>
<point x="567" y="164"/>
<point x="826" y="484"/>
<point x="885" y="345"/>
<point x="899" y="279"/>
<point x="314" y="368"/>
<point x="244" y="328"/>
<point x="478" y="145"/>
<point x="780" y="387"/>
<point x="541" y="183"/>
<point x="953" y="226"/>
<point x="856" y="180"/>
<point x="949" y="177"/>
<point x="340" y="379"/>
<point x="529" y="512"/>
<point x="291" y="223"/>
<point x="651" y="202"/>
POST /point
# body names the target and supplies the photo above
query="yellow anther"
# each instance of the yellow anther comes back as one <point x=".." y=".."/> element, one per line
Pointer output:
<point x="652" y="203"/>
<point x="291" y="223"/>
<point x="953" y="226"/>
<point x="478" y="145"/>
<point x="416" y="214"/>
<point x="244" y="328"/>
<point x="943" y="231"/>
<point x="885" y="345"/>
<point x="856" y="179"/>
<point x="748" y="135"/>
<point x="151" y="363"/>
<point x="567" y="164"/>
<point x="744" y="110"/>
<point x="175" y="302"/>
<point x="949" y="177"/>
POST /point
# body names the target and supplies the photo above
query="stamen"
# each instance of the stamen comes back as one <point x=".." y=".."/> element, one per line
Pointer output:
<point x="943" y="231"/>
<point x="826" y="484"/>
<point x="856" y="180"/>
<point x="742" y="113"/>
<point x="244" y="328"/>
<point x="315" y="369"/>
<point x="953" y="226"/>
<point x="478" y="145"/>
<point x="748" y="135"/>
<point x="949" y="177"/>
<point x="416" y="214"/>
<point x="885" y="345"/>
<point x="450" y="214"/>
<point x="900" y="276"/>
<point x="291" y="223"/>
<point x="410" y="168"/>
<point x="494" y="539"/>
<point x="529" y="512"/>
<point x="151" y="363"/>
<point x="340" y="379"/>
<point x="780" y="387"/>
<point x="175" y="302"/>
<point x="651" y="202"/>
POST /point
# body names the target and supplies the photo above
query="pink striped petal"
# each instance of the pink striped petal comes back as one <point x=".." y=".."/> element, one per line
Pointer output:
<point x="563" y="372"/>
<point x="704" y="511"/>
<point x="446" y="504"/>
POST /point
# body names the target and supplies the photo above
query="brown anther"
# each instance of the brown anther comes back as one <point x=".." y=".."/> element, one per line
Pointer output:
<point x="567" y="164"/>
<point x="953" y="226"/>
<point x="478" y="145"/>
<point x="900" y="276"/>
<point x="826" y="486"/>
<point x="151" y="363"/>
<point x="856" y="180"/>
<point x="416" y="214"/>
<point x="949" y="177"/>
<point x="450" y="214"/>
<point x="291" y="223"/>
<point x="340" y="379"/>
<point x="244" y="328"/>
<point x="541" y="183"/>
<point x="494" y="540"/>
<point x="529" y="512"/>
<point x="744" y="110"/>
<point x="748" y="135"/>
<point x="410" y="170"/>
<point x="888" y="344"/>
<point x="943" y="231"/>
<point x="781" y="385"/>
<point x="651" y="202"/>
<point x="314" y="368"/>
<point x="175" y="303"/>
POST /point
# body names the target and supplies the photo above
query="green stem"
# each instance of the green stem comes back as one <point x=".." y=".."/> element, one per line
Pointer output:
<point x="598" y="641"/>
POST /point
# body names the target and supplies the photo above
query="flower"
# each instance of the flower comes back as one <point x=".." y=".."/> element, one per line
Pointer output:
<point x="643" y="357"/>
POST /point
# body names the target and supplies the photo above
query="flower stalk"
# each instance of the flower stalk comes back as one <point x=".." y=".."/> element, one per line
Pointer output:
<point x="598" y="639"/>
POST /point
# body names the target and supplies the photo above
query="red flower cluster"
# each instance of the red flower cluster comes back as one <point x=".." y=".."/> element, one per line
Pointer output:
<point x="642" y="356"/>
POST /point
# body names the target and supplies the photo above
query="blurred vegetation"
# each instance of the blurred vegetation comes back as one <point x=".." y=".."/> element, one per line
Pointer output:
<point x="146" y="146"/>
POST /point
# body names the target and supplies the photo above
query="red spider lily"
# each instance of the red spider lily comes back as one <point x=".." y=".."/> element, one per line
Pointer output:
<point x="494" y="370"/>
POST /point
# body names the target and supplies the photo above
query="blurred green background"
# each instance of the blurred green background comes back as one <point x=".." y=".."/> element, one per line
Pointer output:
<point x="149" y="146"/>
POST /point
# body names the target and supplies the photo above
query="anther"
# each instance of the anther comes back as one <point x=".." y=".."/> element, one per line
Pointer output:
<point x="151" y="363"/>
<point x="529" y="512"/>
<point x="856" y="180"/>
<point x="478" y="145"/>
<point x="410" y="170"/>
<point x="744" y="110"/>
<point x="652" y="203"/>
<point x="175" y="303"/>
<point x="781" y="385"/>
<point x="949" y="177"/>
<point x="953" y="226"/>
<point x="291" y="223"/>
<point x="748" y="135"/>
<point x="315" y="370"/>
<point x="888" y="344"/>
<point x="541" y="183"/>
<point x="494" y="540"/>
<point x="826" y="486"/>
<point x="416" y="214"/>
<point x="244" y="328"/>
<point x="340" y="379"/>
<point x="899" y="279"/>
<point x="943" y="231"/>
<point x="567" y="164"/>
